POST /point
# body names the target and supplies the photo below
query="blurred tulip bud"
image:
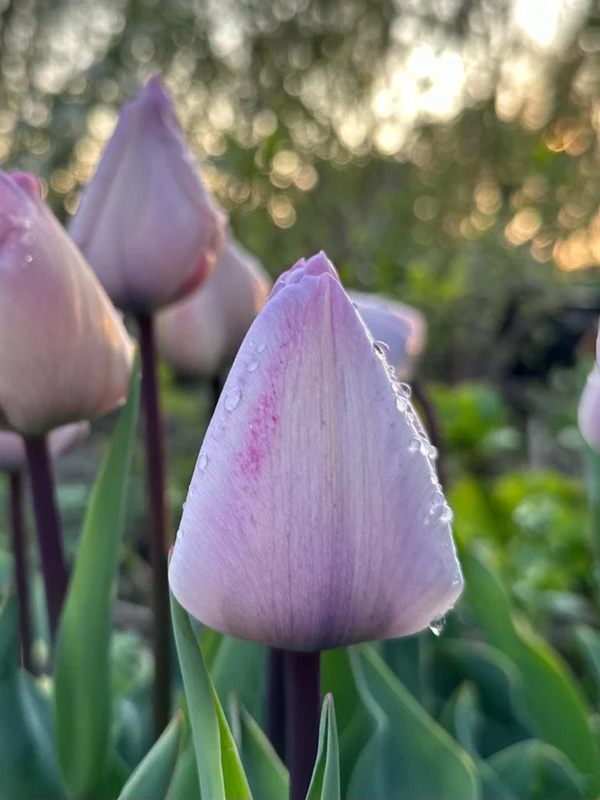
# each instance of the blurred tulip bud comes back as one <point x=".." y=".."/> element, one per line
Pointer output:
<point x="314" y="518"/>
<point x="203" y="333"/>
<point x="145" y="222"/>
<point x="12" y="447"/>
<point x="402" y="328"/>
<point x="64" y="352"/>
<point x="589" y="405"/>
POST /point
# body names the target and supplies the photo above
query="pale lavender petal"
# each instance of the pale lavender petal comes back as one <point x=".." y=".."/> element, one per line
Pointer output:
<point x="145" y="222"/>
<point x="314" y="518"/>
<point x="589" y="410"/>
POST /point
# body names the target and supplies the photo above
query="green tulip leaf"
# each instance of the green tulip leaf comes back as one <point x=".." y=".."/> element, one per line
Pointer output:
<point x="409" y="756"/>
<point x="219" y="767"/>
<point x="534" y="770"/>
<point x="152" y="777"/>
<point x="553" y="700"/>
<point x="589" y="644"/>
<point x="325" y="781"/>
<point x="82" y="669"/>
<point x="28" y="762"/>
<point x="267" y="776"/>
<point x="184" y="783"/>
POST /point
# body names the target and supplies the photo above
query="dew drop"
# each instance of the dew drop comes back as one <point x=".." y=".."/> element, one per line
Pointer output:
<point x="415" y="445"/>
<point x="401" y="403"/>
<point x="433" y="452"/>
<point x="446" y="515"/>
<point x="251" y="366"/>
<point x="260" y="346"/>
<point x="382" y="348"/>
<point x="29" y="259"/>
<point x="404" y="389"/>
<point x="202" y="462"/>
<point x="232" y="398"/>
<point x="437" y="626"/>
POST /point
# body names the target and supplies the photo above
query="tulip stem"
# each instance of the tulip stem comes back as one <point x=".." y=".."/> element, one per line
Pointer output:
<point x="48" y="526"/>
<point x="303" y="709"/>
<point x="216" y="387"/>
<point x="434" y="430"/>
<point x="276" y="700"/>
<point x="159" y="524"/>
<point x="19" y="544"/>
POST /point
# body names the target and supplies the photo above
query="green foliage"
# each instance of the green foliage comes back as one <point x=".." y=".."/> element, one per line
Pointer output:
<point x="152" y="777"/>
<point x="325" y="782"/>
<point x="267" y="776"/>
<point x="82" y="668"/>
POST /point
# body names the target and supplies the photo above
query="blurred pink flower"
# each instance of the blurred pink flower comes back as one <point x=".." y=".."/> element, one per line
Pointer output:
<point x="402" y="328"/>
<point x="145" y="222"/>
<point x="589" y="405"/>
<point x="202" y="334"/>
<point x="64" y="352"/>
<point x="314" y="518"/>
<point x="12" y="447"/>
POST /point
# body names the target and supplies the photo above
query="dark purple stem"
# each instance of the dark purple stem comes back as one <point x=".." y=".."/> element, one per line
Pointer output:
<point x="303" y="710"/>
<point x="48" y="526"/>
<point x="276" y="700"/>
<point x="433" y="428"/>
<point x="159" y="525"/>
<point x="19" y="543"/>
<point x="216" y="387"/>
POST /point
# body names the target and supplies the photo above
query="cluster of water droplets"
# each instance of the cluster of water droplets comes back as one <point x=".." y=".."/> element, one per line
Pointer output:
<point x="419" y="444"/>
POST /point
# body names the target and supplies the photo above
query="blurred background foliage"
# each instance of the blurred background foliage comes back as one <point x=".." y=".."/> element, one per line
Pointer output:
<point x="444" y="152"/>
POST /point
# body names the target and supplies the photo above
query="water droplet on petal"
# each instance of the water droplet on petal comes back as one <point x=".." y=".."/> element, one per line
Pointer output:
<point x="232" y="398"/>
<point x="446" y="515"/>
<point x="202" y="462"/>
<point x="433" y="452"/>
<point x="260" y="347"/>
<point x="404" y="389"/>
<point x="382" y="348"/>
<point x="29" y="259"/>
<point x="401" y="403"/>
<point x="437" y="626"/>
<point x="252" y="366"/>
<point x="415" y="445"/>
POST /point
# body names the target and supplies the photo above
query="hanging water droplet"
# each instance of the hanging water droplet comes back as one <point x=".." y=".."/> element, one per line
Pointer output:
<point x="232" y="398"/>
<point x="251" y="366"/>
<point x="433" y="452"/>
<point x="183" y="505"/>
<point x="260" y="346"/>
<point x="424" y="447"/>
<point x="401" y="403"/>
<point x="382" y="348"/>
<point x="415" y="445"/>
<point x="29" y="259"/>
<point x="404" y="389"/>
<point x="202" y="462"/>
<point x="437" y="626"/>
<point x="446" y="515"/>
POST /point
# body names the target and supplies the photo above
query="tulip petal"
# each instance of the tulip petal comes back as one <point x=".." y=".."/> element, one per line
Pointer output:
<point x="314" y="517"/>
<point x="145" y="222"/>
<point x="589" y="410"/>
<point x="64" y="352"/>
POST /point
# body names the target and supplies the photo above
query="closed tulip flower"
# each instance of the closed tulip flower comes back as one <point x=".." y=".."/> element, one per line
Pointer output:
<point x="64" y="352"/>
<point x="145" y="222"/>
<point x="203" y="333"/>
<point x="314" y="518"/>
<point x="400" y="327"/>
<point x="12" y="448"/>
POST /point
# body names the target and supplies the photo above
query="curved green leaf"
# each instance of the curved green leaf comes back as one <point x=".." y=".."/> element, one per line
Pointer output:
<point x="152" y="777"/>
<point x="82" y="670"/>
<point x="552" y="698"/>
<point x="325" y="781"/>
<point x="410" y="757"/>
<point x="219" y="767"/>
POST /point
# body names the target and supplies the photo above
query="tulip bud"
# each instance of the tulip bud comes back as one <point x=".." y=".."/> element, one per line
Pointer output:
<point x="314" y="518"/>
<point x="203" y="333"/>
<point x="12" y="447"/>
<point x="64" y="352"/>
<point x="145" y="222"/>
<point x="402" y="328"/>
<point x="589" y="405"/>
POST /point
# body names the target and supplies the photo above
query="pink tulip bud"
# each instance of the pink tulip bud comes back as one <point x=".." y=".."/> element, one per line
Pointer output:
<point x="402" y="328"/>
<point x="64" y="353"/>
<point x="314" y="518"/>
<point x="589" y="405"/>
<point x="202" y="334"/>
<point x="12" y="447"/>
<point x="145" y="222"/>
